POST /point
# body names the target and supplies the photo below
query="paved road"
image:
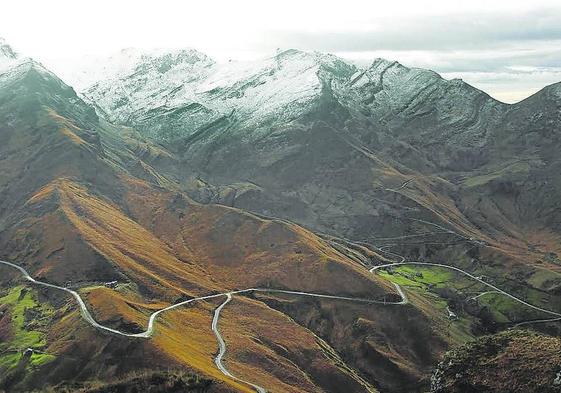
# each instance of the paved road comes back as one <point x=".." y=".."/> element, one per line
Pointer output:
<point x="83" y="309"/>
<point x="408" y="236"/>
<point x="222" y="347"/>
<point x="383" y="250"/>
<point x="221" y="343"/>
<point x="151" y="322"/>
<point x="472" y="277"/>
<point x="350" y="299"/>
<point x="402" y="186"/>
<point x="495" y="290"/>
<point x="536" y="321"/>
<point x="483" y="294"/>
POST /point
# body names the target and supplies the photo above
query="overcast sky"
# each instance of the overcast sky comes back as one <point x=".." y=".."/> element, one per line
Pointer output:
<point x="510" y="49"/>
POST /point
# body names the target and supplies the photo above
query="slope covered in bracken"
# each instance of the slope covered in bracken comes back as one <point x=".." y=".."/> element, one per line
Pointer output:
<point x="386" y="162"/>
<point x="83" y="205"/>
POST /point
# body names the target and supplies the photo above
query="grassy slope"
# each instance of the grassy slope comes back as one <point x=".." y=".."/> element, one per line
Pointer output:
<point x="22" y="331"/>
<point x="421" y="292"/>
<point x="152" y="265"/>
<point x="78" y="209"/>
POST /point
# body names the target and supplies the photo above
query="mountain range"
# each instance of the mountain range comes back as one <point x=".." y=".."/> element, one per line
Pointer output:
<point x="151" y="178"/>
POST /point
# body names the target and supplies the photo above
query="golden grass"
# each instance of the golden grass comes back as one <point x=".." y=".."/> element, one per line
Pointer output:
<point x="183" y="334"/>
<point x="170" y="245"/>
<point x="240" y="250"/>
<point x="66" y="128"/>
<point x="128" y="245"/>
<point x="261" y="343"/>
<point x="186" y="336"/>
<point x="508" y="239"/>
<point x="72" y="136"/>
<point x="44" y="193"/>
<point x="268" y="348"/>
<point x="109" y="303"/>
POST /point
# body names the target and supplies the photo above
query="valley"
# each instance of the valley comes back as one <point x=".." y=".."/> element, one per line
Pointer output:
<point x="294" y="224"/>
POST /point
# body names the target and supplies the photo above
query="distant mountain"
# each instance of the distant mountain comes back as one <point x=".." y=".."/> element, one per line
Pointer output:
<point x="279" y="129"/>
<point x="193" y="91"/>
<point x="175" y="95"/>
<point x="362" y="153"/>
<point x="354" y="152"/>
<point x="85" y="202"/>
<point x="6" y="51"/>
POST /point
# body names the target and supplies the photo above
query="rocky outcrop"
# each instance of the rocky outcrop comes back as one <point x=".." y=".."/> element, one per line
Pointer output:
<point x="516" y="362"/>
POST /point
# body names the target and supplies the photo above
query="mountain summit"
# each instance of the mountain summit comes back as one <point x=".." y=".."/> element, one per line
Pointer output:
<point x="187" y="91"/>
<point x="170" y="96"/>
<point x="6" y="51"/>
<point x="8" y="57"/>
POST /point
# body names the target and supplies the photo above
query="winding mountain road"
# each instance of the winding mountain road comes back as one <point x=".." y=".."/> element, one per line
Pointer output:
<point x="151" y="321"/>
<point x="496" y="289"/>
<point x="222" y="347"/>
<point x="483" y="294"/>
<point x="402" y="186"/>
<point x="214" y="326"/>
<point x="229" y="295"/>
<point x="531" y="322"/>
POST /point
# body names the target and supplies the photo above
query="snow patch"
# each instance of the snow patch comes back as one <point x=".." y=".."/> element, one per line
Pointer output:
<point x="8" y="57"/>
<point x="132" y="84"/>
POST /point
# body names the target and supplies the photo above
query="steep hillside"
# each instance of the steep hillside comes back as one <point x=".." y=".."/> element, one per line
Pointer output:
<point x="349" y="150"/>
<point x="312" y="131"/>
<point x="171" y="96"/>
<point x="386" y="163"/>
<point x="92" y="207"/>
<point x="514" y="361"/>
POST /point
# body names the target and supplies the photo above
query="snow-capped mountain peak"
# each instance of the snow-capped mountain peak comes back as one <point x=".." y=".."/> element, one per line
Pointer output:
<point x="13" y="64"/>
<point x="197" y="90"/>
<point x="173" y="94"/>
<point x="8" y="56"/>
<point x="6" y="51"/>
<point x="130" y="61"/>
